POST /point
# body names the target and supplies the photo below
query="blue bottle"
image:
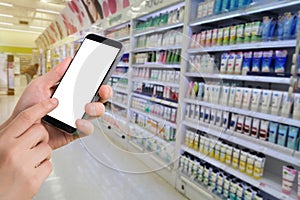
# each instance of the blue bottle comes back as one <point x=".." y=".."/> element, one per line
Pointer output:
<point x="233" y="5"/>
<point x="243" y="3"/>
<point x="225" y="5"/>
<point x="279" y="30"/>
<point x="288" y="26"/>
<point x="218" y="6"/>
<point x="297" y="26"/>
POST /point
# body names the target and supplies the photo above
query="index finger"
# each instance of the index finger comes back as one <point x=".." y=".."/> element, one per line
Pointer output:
<point x="30" y="116"/>
<point x="54" y="75"/>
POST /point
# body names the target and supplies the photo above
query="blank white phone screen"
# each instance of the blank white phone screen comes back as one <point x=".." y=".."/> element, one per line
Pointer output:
<point x="82" y="79"/>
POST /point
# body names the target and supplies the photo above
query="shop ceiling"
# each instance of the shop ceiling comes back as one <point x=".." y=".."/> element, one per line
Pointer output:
<point x="28" y="16"/>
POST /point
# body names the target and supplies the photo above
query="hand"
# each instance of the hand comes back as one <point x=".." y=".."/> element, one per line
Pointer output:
<point x="25" y="153"/>
<point x="42" y="88"/>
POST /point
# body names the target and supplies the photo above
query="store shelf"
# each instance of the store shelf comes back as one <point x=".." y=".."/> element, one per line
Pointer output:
<point x="121" y="64"/>
<point x="147" y="49"/>
<point x="157" y="159"/>
<point x="117" y="103"/>
<point x="116" y="130"/>
<point x="123" y="38"/>
<point x="151" y="135"/>
<point x="158" y="29"/>
<point x="119" y="75"/>
<point x="267" y="148"/>
<point x="269" y="183"/>
<point x="269" y="117"/>
<point x="157" y="65"/>
<point x="116" y="89"/>
<point x="135" y="145"/>
<point x="156" y="100"/>
<point x="262" y="79"/>
<point x="174" y="85"/>
<point x="245" y="46"/>
<point x="117" y="119"/>
<point x="254" y="9"/>
<point x="154" y="117"/>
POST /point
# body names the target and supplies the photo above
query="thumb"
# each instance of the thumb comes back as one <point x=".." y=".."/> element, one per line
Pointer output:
<point x="55" y="74"/>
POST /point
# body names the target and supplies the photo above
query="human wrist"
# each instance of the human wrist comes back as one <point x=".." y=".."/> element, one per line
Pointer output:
<point x="6" y="122"/>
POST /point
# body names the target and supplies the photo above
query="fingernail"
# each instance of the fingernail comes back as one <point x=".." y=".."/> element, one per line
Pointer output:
<point x="93" y="110"/>
<point x="54" y="101"/>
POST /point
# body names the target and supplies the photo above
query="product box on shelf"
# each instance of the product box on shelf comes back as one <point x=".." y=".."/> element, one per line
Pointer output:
<point x="169" y="38"/>
<point x="163" y="18"/>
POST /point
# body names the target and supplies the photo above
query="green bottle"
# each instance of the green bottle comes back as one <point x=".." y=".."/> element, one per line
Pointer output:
<point x="172" y="61"/>
<point x="169" y="57"/>
<point x="153" y="57"/>
<point x="195" y="90"/>
<point x="166" y="18"/>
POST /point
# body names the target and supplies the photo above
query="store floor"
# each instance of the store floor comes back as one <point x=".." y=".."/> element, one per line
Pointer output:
<point x="78" y="174"/>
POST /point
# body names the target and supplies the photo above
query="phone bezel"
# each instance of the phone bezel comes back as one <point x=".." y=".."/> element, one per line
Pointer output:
<point x="97" y="38"/>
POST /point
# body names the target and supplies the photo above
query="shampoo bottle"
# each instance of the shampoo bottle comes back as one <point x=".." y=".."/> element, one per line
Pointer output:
<point x="292" y="137"/>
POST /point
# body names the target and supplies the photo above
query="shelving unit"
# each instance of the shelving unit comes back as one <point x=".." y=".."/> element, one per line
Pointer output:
<point x="269" y="149"/>
<point x="120" y="104"/>
<point x="163" y="160"/>
<point x="158" y="155"/>
<point x="269" y="185"/>
<point x="254" y="9"/>
<point x="121" y="33"/>
<point x="117" y="118"/>
<point x="275" y="154"/>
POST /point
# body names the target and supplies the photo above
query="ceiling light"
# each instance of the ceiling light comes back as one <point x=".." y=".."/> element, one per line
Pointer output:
<point x="19" y="30"/>
<point x="5" y="15"/>
<point x="48" y="11"/>
<point x="37" y="27"/>
<point x="5" y="23"/>
<point x="6" y="4"/>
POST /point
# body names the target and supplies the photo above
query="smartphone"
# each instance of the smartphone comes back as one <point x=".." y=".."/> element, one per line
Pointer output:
<point x="91" y="67"/>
